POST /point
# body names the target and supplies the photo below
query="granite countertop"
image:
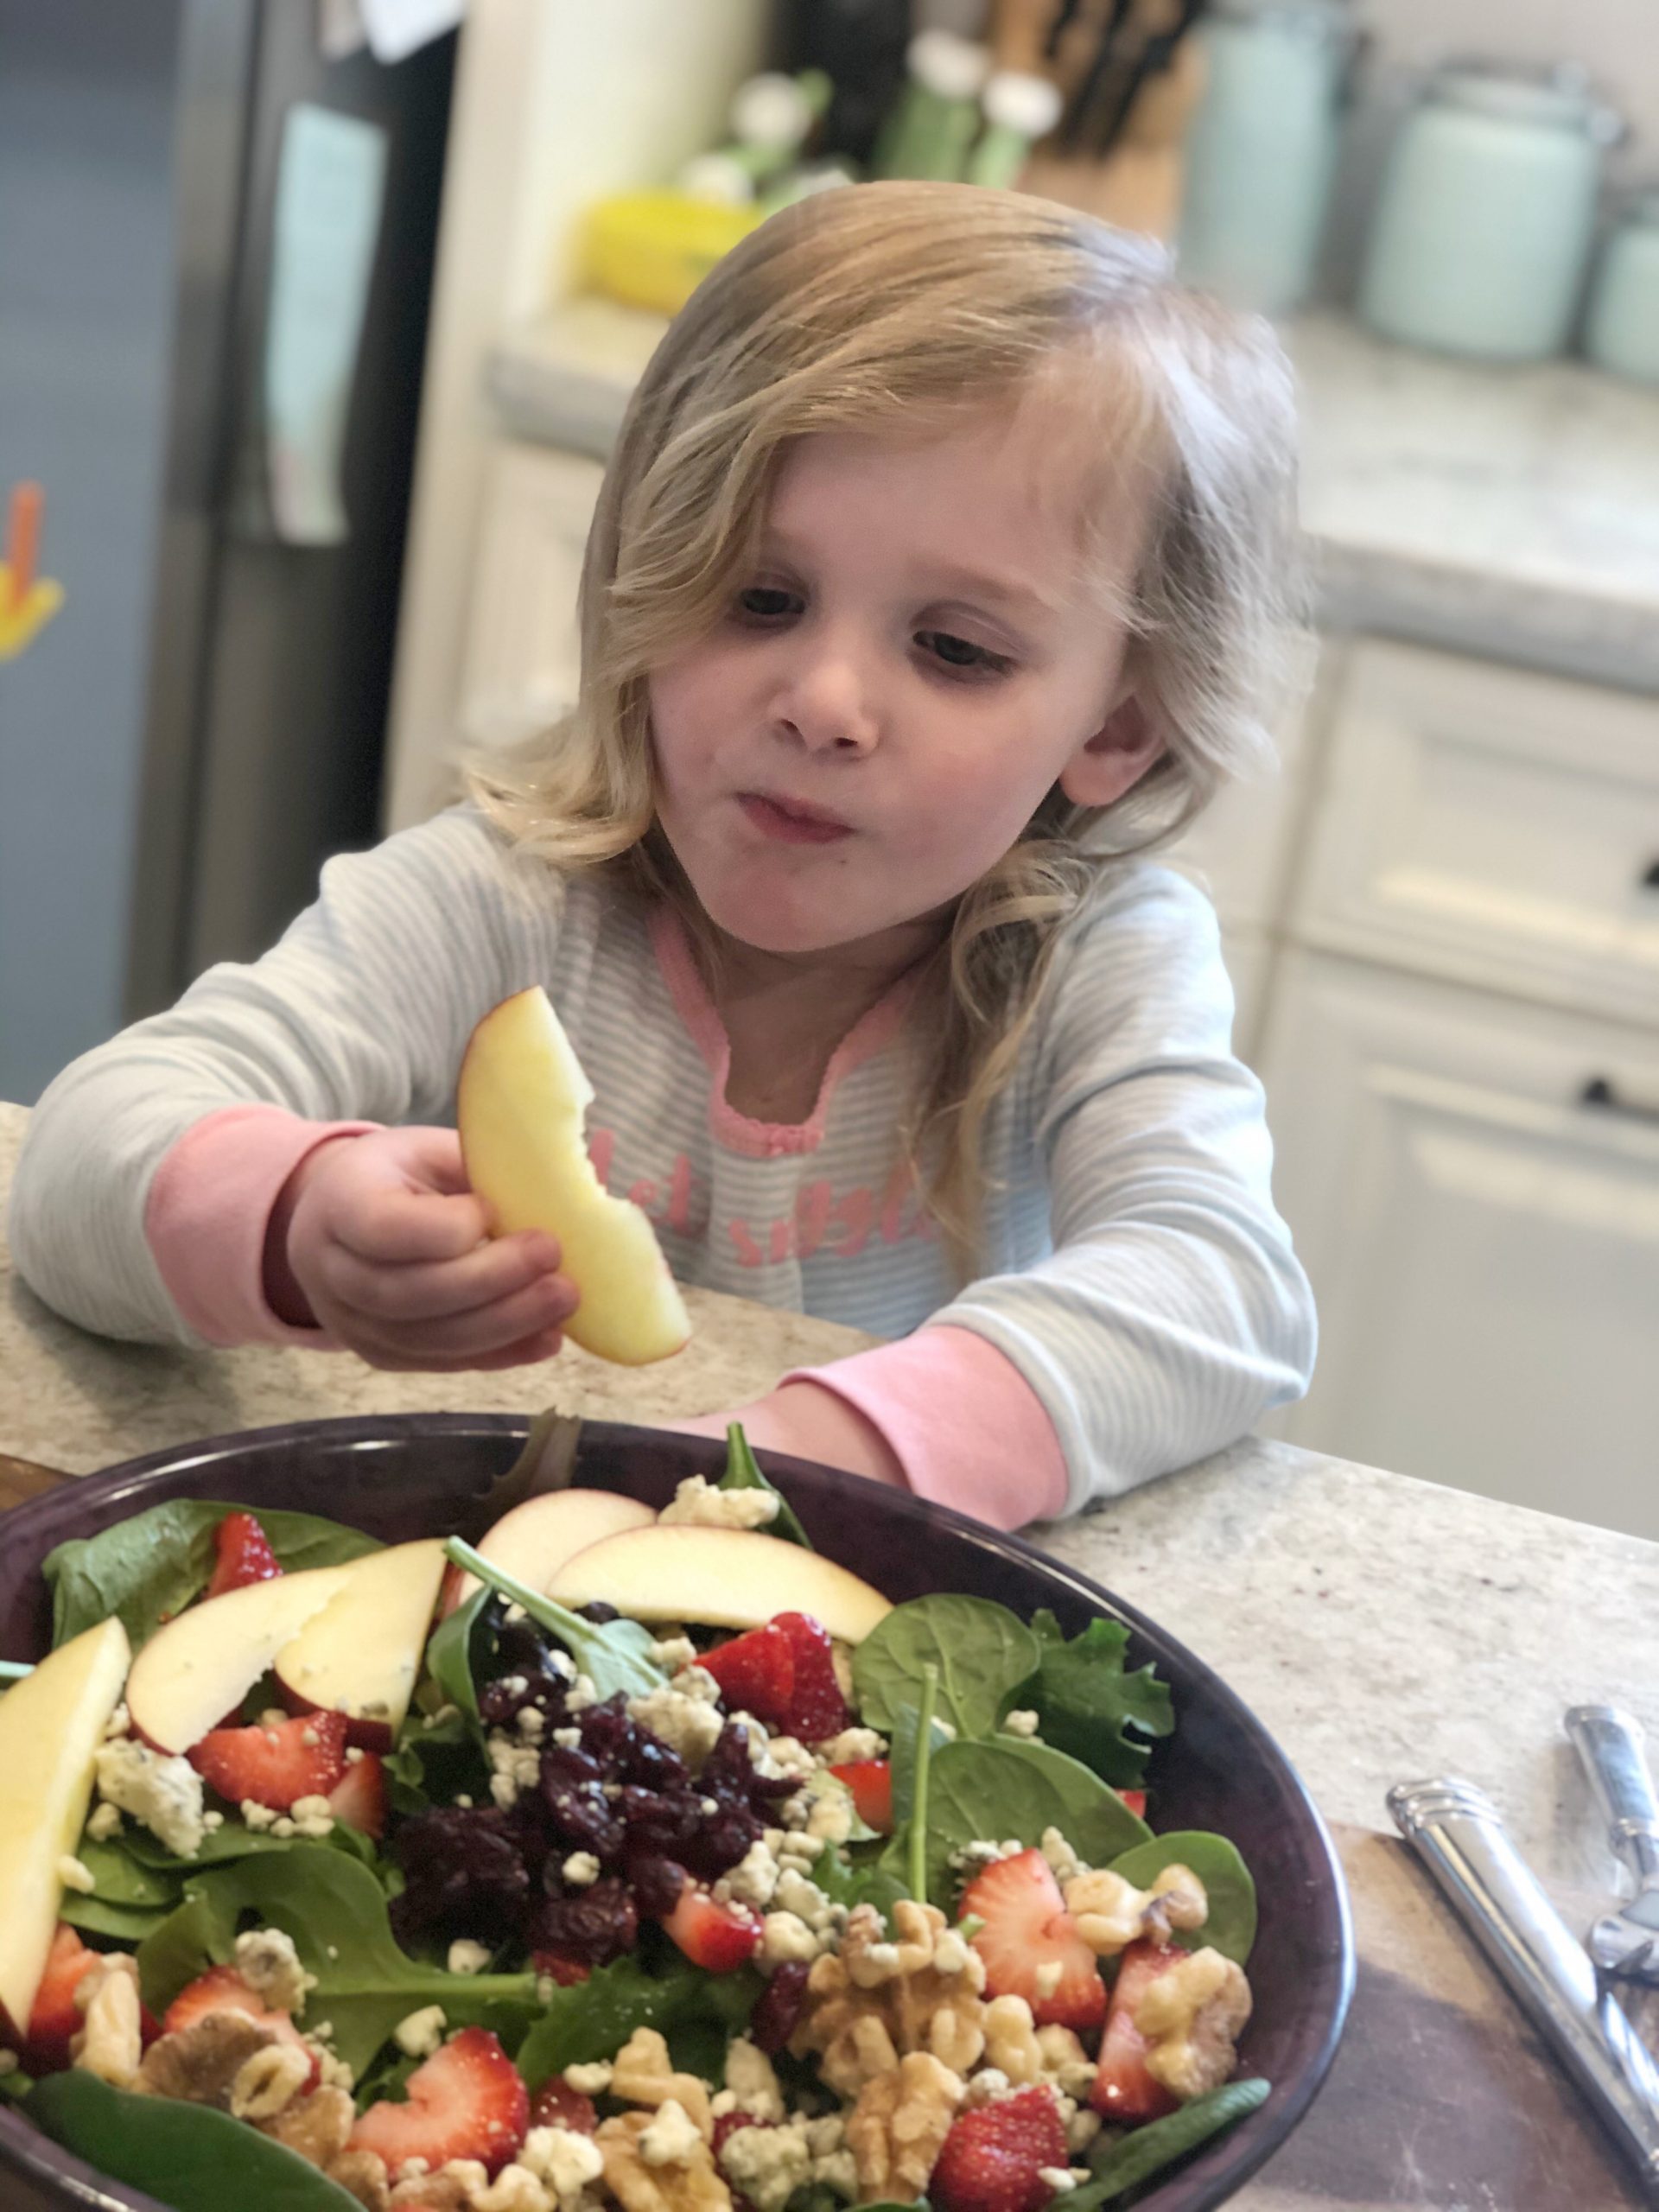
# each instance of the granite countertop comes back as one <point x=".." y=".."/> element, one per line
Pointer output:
<point x="1508" y="512"/>
<point x="1384" y="1629"/>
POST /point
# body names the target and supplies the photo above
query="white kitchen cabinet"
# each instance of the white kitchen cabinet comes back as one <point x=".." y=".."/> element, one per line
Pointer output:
<point x="1491" y="825"/>
<point x="522" y="666"/>
<point x="1483" y="1239"/>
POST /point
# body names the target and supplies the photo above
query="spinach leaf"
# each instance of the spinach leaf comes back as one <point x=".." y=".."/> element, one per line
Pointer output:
<point x="1118" y="2167"/>
<point x="1087" y="1704"/>
<point x="848" y="1882"/>
<point x="743" y="1472"/>
<point x="1010" y="1787"/>
<point x="449" y="1657"/>
<point x="127" y="1924"/>
<point x="982" y="1651"/>
<point x="120" y="1876"/>
<point x="1230" y="1928"/>
<point x="192" y="2157"/>
<point x="146" y="1570"/>
<point x="615" y="1655"/>
<point x="903" y="1759"/>
<point x="424" y="1746"/>
<point x="221" y="1846"/>
<point x="334" y="1910"/>
<point x="593" y="2018"/>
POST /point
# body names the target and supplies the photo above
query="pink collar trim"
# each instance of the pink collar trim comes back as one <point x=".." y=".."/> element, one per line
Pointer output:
<point x="738" y="1132"/>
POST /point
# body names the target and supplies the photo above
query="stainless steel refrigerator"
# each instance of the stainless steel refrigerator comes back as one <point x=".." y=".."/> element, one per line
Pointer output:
<point x="203" y="723"/>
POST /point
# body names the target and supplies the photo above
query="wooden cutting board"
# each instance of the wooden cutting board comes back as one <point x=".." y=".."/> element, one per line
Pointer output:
<point x="1441" y="2098"/>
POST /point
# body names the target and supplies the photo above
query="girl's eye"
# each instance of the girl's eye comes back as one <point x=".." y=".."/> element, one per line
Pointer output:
<point x="961" y="655"/>
<point x="768" y="602"/>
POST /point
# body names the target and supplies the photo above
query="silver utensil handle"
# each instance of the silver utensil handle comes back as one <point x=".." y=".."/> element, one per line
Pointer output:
<point x="1456" y="1830"/>
<point x="1610" y="1744"/>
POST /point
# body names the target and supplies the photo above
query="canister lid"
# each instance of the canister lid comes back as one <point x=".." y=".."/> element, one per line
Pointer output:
<point x="1561" y="98"/>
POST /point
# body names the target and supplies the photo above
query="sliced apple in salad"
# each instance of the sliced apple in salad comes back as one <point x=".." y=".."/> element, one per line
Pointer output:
<point x="198" y="1669"/>
<point x="361" y="1655"/>
<point x="722" y="1578"/>
<point x="519" y="1107"/>
<point x="535" y="1540"/>
<point x="51" y="1726"/>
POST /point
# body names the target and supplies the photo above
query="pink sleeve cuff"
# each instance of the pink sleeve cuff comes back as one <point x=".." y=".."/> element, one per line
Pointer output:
<point x="208" y="1208"/>
<point x="966" y="1426"/>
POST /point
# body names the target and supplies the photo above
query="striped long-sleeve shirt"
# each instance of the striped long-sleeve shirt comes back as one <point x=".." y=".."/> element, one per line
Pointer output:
<point x="1140" y="1304"/>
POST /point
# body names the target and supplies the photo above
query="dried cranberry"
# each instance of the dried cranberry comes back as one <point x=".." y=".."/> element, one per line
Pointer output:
<point x="659" y="1822"/>
<point x="605" y="1730"/>
<point x="465" y="1875"/>
<point x="499" y="1703"/>
<point x="656" y="1883"/>
<point x="647" y="1761"/>
<point x="563" y="1766"/>
<point x="598" y="1611"/>
<point x="777" y="2010"/>
<point x="583" y="1815"/>
<point x="722" y="1843"/>
<point x="594" y="1927"/>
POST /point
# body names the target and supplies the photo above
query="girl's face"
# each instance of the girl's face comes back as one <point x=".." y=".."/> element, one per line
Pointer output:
<point x="915" y="660"/>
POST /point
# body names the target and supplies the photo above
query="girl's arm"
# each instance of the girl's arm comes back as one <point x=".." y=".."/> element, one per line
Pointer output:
<point x="1171" y="1313"/>
<point x="357" y="1018"/>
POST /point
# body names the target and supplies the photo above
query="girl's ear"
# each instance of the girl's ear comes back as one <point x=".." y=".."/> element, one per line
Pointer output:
<point x="1105" y="766"/>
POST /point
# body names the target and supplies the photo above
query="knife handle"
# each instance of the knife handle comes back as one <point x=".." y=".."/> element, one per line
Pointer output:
<point x="1610" y="1744"/>
<point x="1457" y="1832"/>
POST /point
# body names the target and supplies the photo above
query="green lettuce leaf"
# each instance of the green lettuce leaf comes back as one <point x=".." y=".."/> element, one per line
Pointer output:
<point x="1087" y="1704"/>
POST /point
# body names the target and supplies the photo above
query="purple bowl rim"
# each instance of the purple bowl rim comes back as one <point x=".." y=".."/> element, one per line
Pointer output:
<point x="1249" y="2144"/>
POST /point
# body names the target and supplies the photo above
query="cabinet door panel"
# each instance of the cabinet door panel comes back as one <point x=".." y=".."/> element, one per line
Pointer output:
<point x="523" y="662"/>
<point x="1491" y="825"/>
<point x="1484" y="1244"/>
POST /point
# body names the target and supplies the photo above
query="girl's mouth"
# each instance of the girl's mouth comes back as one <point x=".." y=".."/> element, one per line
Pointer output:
<point x="789" y="823"/>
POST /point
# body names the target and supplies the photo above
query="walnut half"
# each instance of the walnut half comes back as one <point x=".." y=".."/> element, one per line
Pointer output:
<point x="898" y="2125"/>
<point x="873" y="2002"/>
<point x="1192" y="2016"/>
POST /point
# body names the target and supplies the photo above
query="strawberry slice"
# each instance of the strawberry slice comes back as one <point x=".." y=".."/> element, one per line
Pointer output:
<point x="1124" y="2092"/>
<point x="756" y="1674"/>
<point x="243" y="1555"/>
<point x="564" y="1971"/>
<point x="55" y="2016"/>
<point x="1028" y="1935"/>
<point x="871" y="1783"/>
<point x="1135" y="1800"/>
<point x="556" y="2104"/>
<point x="718" y="1937"/>
<point x="993" y="2158"/>
<point x="358" y="1798"/>
<point x="222" y="1989"/>
<point x="275" y="1766"/>
<point x="817" y="1709"/>
<point x="468" y="2101"/>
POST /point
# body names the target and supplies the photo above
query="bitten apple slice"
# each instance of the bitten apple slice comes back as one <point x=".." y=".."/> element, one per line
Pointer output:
<point x="361" y="1655"/>
<point x="722" y="1578"/>
<point x="197" y="1670"/>
<point x="519" y="1105"/>
<point x="51" y="1726"/>
<point x="534" y="1541"/>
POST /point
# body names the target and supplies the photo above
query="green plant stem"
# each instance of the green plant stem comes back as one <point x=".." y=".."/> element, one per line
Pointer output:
<point x="918" y="1800"/>
<point x="14" y="1670"/>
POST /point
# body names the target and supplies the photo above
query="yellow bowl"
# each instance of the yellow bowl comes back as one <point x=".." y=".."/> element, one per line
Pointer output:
<point x="653" y="249"/>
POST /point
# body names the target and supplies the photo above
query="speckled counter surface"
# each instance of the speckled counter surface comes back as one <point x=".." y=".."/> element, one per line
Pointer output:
<point x="1384" y="1629"/>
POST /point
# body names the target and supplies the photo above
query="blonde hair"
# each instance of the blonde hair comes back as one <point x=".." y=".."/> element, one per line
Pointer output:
<point x="876" y="309"/>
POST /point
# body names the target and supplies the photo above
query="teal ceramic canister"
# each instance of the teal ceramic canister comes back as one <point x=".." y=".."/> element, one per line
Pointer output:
<point x="1262" y="148"/>
<point x="1622" y="330"/>
<point x="1487" y="212"/>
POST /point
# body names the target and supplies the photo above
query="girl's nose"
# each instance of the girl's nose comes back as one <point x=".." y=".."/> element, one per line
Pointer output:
<point x="827" y="708"/>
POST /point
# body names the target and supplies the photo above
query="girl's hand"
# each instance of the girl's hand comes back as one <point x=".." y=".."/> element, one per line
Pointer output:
<point x="379" y="1240"/>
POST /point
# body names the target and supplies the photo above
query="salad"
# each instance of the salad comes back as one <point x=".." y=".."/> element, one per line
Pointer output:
<point x="629" y="1863"/>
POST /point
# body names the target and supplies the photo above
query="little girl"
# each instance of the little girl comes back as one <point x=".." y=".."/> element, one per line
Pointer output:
<point x="942" y="567"/>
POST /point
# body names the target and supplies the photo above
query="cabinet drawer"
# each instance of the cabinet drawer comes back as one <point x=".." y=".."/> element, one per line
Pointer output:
<point x="523" y="659"/>
<point x="1473" y="1187"/>
<point x="1491" y="825"/>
